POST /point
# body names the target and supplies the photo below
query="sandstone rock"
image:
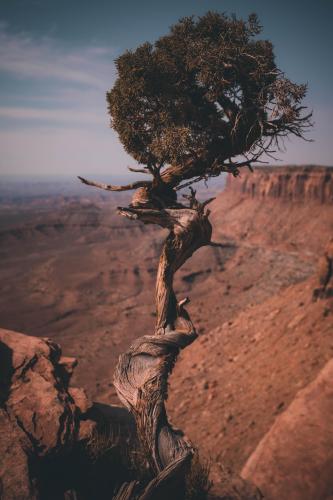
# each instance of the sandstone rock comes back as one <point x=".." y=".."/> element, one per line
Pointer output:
<point x="67" y="366"/>
<point x="38" y="399"/>
<point x="290" y="183"/>
<point x="81" y="399"/>
<point x="325" y="274"/>
<point x="230" y="486"/>
<point x="48" y="430"/>
<point x="14" y="471"/>
<point x="294" y="460"/>
<point x="39" y="418"/>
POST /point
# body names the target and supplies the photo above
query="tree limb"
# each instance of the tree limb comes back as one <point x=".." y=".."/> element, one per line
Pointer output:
<point x="139" y="170"/>
<point x="111" y="187"/>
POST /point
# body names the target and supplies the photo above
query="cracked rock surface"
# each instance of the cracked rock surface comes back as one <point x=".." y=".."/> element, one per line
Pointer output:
<point x="39" y="417"/>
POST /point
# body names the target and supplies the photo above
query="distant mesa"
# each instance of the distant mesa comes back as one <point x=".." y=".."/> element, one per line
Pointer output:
<point x="289" y="183"/>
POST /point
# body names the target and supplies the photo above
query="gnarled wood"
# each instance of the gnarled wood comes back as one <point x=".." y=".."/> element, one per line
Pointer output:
<point x="142" y="372"/>
<point x="141" y="376"/>
<point x="112" y="187"/>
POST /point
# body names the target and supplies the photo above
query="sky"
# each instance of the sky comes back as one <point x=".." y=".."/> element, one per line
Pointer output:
<point x="57" y="62"/>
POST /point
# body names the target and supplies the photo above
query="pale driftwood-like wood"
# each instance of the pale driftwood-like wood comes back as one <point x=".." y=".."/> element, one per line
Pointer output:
<point x="112" y="187"/>
<point x="160" y="487"/>
<point x="141" y="376"/>
<point x="142" y="372"/>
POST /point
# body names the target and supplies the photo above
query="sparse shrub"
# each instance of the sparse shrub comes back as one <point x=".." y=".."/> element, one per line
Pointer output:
<point x="197" y="479"/>
<point x="138" y="460"/>
<point x="101" y="443"/>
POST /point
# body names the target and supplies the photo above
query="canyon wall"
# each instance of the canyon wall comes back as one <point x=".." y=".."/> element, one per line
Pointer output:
<point x="289" y="183"/>
<point x="288" y="208"/>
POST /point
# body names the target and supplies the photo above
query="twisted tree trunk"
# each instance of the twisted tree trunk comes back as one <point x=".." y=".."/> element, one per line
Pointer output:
<point x="142" y="372"/>
<point x="141" y="376"/>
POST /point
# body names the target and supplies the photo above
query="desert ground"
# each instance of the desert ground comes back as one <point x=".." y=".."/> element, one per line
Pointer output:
<point x="76" y="272"/>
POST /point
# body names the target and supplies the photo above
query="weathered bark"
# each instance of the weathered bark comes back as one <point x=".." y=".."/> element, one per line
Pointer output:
<point x="142" y="372"/>
<point x="141" y="376"/>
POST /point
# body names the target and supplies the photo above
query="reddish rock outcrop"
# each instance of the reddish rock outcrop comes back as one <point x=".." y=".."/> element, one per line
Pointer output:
<point x="38" y="396"/>
<point x="14" y="470"/>
<point x="285" y="208"/>
<point x="325" y="274"/>
<point x="55" y="444"/>
<point x="290" y="183"/>
<point x="295" y="459"/>
<point x="39" y="417"/>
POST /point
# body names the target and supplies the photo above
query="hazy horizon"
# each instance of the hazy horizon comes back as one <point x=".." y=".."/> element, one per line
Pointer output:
<point x="117" y="177"/>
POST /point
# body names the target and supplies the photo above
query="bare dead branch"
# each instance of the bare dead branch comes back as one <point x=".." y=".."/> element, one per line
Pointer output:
<point x="139" y="170"/>
<point x="206" y="202"/>
<point x="111" y="187"/>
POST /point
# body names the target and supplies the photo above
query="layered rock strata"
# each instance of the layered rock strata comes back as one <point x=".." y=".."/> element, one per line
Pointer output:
<point x="289" y="183"/>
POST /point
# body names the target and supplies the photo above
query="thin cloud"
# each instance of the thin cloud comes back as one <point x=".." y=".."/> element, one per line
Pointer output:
<point x="62" y="85"/>
<point x="57" y="121"/>
<point x="24" y="57"/>
<point x="53" y="115"/>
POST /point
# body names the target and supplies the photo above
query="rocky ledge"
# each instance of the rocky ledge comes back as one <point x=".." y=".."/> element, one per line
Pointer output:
<point x="290" y="183"/>
<point x="57" y="445"/>
<point x="54" y="441"/>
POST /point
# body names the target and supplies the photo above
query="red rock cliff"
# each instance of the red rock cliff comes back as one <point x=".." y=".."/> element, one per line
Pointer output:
<point x="288" y="207"/>
<point x="290" y="183"/>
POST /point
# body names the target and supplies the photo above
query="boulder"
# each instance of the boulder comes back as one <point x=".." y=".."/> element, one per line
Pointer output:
<point x="54" y="443"/>
<point x="14" y="471"/>
<point x="39" y="418"/>
<point x="37" y="393"/>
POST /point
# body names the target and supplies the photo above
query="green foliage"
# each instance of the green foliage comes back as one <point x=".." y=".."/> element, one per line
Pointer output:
<point x="210" y="89"/>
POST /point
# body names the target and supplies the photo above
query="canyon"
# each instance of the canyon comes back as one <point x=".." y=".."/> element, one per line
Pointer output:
<point x="77" y="273"/>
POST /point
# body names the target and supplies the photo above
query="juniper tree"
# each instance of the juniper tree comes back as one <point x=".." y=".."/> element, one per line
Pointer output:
<point x="206" y="98"/>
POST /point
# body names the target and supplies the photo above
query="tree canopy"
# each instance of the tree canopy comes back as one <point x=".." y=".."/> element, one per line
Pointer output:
<point x="206" y="98"/>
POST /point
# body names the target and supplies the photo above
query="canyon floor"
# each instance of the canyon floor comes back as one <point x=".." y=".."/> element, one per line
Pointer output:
<point x="74" y="271"/>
